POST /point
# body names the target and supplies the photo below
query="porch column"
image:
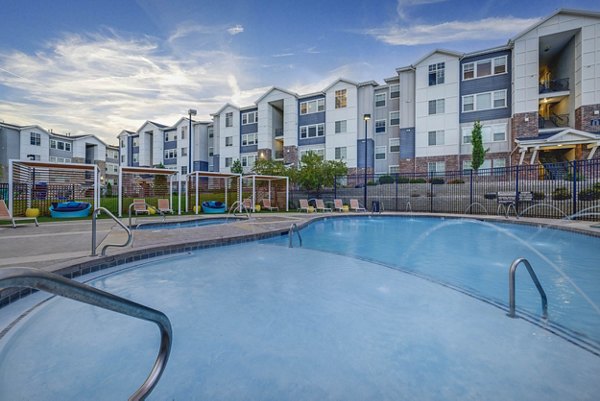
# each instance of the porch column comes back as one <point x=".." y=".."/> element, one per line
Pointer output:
<point x="533" y="155"/>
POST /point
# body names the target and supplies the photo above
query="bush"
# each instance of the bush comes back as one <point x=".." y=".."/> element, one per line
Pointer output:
<point x="538" y="196"/>
<point x="589" y="194"/>
<point x="417" y="181"/>
<point x="371" y="183"/>
<point x="456" y="181"/>
<point x="437" y="180"/>
<point x="415" y="195"/>
<point x="561" y="193"/>
<point x="386" y="179"/>
<point x="402" y="180"/>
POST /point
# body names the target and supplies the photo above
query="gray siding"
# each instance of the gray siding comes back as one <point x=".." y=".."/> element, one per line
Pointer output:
<point x="407" y="143"/>
<point x="10" y="143"/>
<point x="249" y="128"/>
<point x="248" y="149"/>
<point x="310" y="141"/>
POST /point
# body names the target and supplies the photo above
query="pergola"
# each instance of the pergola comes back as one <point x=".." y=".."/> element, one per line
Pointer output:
<point x="196" y="175"/>
<point x="269" y="179"/>
<point x="150" y="171"/>
<point x="25" y="172"/>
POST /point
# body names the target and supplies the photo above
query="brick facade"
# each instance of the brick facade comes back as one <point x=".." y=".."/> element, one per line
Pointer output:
<point x="290" y="154"/>
<point x="524" y="125"/>
<point x="451" y="162"/>
<point x="584" y="116"/>
<point x="265" y="153"/>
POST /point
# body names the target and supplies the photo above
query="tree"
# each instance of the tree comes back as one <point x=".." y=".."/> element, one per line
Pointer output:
<point x="236" y="167"/>
<point x="270" y="167"/>
<point x="316" y="173"/>
<point x="478" y="153"/>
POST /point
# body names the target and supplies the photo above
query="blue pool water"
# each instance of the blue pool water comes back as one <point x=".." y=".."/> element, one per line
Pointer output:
<point x="263" y="321"/>
<point x="186" y="224"/>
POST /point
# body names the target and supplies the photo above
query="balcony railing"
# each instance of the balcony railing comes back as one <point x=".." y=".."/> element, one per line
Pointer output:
<point x="278" y="154"/>
<point x="554" y="121"/>
<point x="278" y="132"/>
<point x="555" y="85"/>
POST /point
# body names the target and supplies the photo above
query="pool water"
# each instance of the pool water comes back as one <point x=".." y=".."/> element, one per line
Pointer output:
<point x="186" y="224"/>
<point x="264" y="321"/>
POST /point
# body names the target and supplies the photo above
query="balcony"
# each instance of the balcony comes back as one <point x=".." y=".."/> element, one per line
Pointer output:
<point x="554" y="121"/>
<point x="278" y="132"/>
<point x="555" y="85"/>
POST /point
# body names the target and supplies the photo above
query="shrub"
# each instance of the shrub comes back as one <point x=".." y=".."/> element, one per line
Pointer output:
<point x="418" y="181"/>
<point x="456" y="181"/>
<point x="415" y="195"/>
<point x="437" y="180"/>
<point x="538" y="195"/>
<point x="386" y="179"/>
<point x="589" y="194"/>
<point x="561" y="193"/>
<point x="371" y="183"/>
<point x="402" y="180"/>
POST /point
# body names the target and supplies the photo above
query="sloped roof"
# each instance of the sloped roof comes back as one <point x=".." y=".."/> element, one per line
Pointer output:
<point x="274" y="88"/>
<point x="226" y="105"/>
<point x="340" y="80"/>
<point x="561" y="11"/>
<point x="440" y="51"/>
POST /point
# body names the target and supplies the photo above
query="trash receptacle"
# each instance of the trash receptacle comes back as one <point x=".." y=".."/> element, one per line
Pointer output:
<point x="375" y="207"/>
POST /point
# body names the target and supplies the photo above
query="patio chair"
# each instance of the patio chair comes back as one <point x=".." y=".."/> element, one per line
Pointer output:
<point x="303" y="205"/>
<point x="139" y="206"/>
<point x="320" y="206"/>
<point x="338" y="205"/>
<point x="164" y="206"/>
<point x="266" y="204"/>
<point x="6" y="216"/>
<point x="247" y="204"/>
<point x="355" y="206"/>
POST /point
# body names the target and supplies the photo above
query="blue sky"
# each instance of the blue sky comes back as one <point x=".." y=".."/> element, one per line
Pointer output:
<point x="103" y="66"/>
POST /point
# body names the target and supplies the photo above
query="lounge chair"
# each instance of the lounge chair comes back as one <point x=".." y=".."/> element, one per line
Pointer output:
<point x="303" y="205"/>
<point x="6" y="216"/>
<point x="247" y="203"/>
<point x="355" y="206"/>
<point x="320" y="206"/>
<point x="338" y="205"/>
<point x="163" y="206"/>
<point x="139" y="206"/>
<point x="266" y="204"/>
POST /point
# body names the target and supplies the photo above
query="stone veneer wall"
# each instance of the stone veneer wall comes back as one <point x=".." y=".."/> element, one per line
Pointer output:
<point x="290" y="154"/>
<point x="584" y="116"/>
<point x="264" y="153"/>
<point x="521" y="128"/>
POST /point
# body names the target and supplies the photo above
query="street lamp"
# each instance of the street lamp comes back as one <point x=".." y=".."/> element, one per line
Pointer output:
<point x="366" y="117"/>
<point x="191" y="112"/>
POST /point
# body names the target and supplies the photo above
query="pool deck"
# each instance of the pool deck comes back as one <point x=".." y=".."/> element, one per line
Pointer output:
<point x="65" y="247"/>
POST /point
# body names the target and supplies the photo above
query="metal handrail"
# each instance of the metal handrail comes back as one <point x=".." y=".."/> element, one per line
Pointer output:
<point x="164" y="217"/>
<point x="112" y="216"/>
<point x="293" y="228"/>
<point x="507" y="209"/>
<point x="238" y="205"/>
<point x="58" y="285"/>
<point x="511" y="287"/>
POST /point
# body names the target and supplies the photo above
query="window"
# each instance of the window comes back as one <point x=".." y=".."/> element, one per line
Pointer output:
<point x="228" y="161"/>
<point x="466" y="135"/>
<point x="250" y="118"/>
<point x="320" y="152"/>
<point x="183" y="170"/>
<point x="136" y="157"/>
<point x="489" y="133"/>
<point x="380" y="152"/>
<point x="34" y="157"/>
<point x="394" y="145"/>
<point x="211" y="132"/>
<point x="394" y="91"/>
<point x="380" y="126"/>
<point x="249" y="139"/>
<point x="437" y="106"/>
<point x="498" y="133"/>
<point x="312" y="131"/>
<point x="312" y="106"/>
<point x="122" y="158"/>
<point x="135" y="142"/>
<point x="394" y="118"/>
<point x="122" y="143"/>
<point x="394" y="169"/>
<point x="340" y="99"/>
<point x="248" y="161"/>
<point x="35" y="139"/>
<point x="183" y="131"/>
<point x="170" y="136"/>
<point x="436" y="138"/>
<point x="210" y="151"/>
<point x="436" y="168"/>
<point x="380" y="99"/>
<point x="484" y="101"/>
<point x="228" y="141"/>
<point x="60" y="145"/>
<point x="436" y="74"/>
<point x="170" y="154"/>
<point x="184" y="152"/>
<point x="229" y="120"/>
<point x="340" y="153"/>
<point x="340" y="126"/>
<point x="484" y="68"/>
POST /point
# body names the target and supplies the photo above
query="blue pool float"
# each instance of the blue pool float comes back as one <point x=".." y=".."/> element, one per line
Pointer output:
<point x="213" y="207"/>
<point x="67" y="210"/>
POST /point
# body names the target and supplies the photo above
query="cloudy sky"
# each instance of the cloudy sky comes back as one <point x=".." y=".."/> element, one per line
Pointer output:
<point x="103" y="66"/>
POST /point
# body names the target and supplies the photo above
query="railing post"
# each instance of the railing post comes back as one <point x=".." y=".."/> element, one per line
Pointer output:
<point x="396" y="179"/>
<point x="471" y="188"/>
<point x="335" y="187"/>
<point x="94" y="233"/>
<point x="574" y="187"/>
<point x="517" y="189"/>
<point x="431" y="192"/>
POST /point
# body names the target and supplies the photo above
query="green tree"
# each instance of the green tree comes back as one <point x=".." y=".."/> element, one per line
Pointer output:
<point x="270" y="167"/>
<point x="236" y="167"/>
<point x="316" y="173"/>
<point x="478" y="153"/>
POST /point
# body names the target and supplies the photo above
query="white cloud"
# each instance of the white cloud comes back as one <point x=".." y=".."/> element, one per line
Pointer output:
<point x="403" y="5"/>
<point x="485" y="29"/>
<point x="237" y="29"/>
<point x="283" y="55"/>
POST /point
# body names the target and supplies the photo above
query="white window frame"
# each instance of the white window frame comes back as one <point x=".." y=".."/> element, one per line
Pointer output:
<point x="35" y="139"/>
<point x="341" y="153"/>
<point x="392" y="118"/>
<point x="395" y="88"/>
<point x="341" y="99"/>
<point x="228" y="120"/>
<point x="341" y="126"/>
<point x="211" y="151"/>
<point x="183" y="131"/>
<point x="318" y="104"/>
<point x="248" y="160"/>
<point x="436" y="168"/>
<point x="249" y="117"/>
<point x="170" y="154"/>
<point x="184" y="170"/>
<point x="250" y="139"/>
<point x="394" y="143"/>
<point x="492" y="94"/>
<point x="229" y="141"/>
<point x="380" y="122"/>
<point x="494" y="62"/>
<point x="439" y="106"/>
<point x="305" y="131"/>
<point x="184" y="152"/>
<point x="135" y="158"/>
<point x="439" y="69"/>
<point x="394" y="169"/>
<point x="381" y="150"/>
<point x="228" y="161"/>
<point x="135" y="142"/>
<point x="440" y="137"/>
<point x="318" y="151"/>
<point x="380" y="99"/>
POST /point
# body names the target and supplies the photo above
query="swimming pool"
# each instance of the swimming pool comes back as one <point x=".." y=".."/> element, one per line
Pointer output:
<point x="263" y="321"/>
<point x="187" y="223"/>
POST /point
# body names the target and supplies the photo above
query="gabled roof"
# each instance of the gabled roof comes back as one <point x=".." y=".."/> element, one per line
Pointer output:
<point x="486" y="51"/>
<point x="406" y="68"/>
<point x="567" y="135"/>
<point x="338" y="81"/>
<point x="125" y="132"/>
<point x="561" y="11"/>
<point x="226" y="105"/>
<point x="158" y="124"/>
<point x="367" y="83"/>
<point x="440" y="51"/>
<point x="274" y="88"/>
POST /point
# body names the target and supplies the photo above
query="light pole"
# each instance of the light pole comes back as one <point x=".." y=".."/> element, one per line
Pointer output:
<point x="191" y="112"/>
<point x="366" y="117"/>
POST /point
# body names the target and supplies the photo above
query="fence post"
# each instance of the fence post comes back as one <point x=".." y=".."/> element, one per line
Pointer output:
<point x="335" y="187"/>
<point x="396" y="179"/>
<point x="470" y="191"/>
<point x="431" y="192"/>
<point x="517" y="185"/>
<point x="574" y="187"/>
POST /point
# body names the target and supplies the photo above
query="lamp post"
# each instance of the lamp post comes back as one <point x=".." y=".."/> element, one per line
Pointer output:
<point x="191" y="112"/>
<point x="366" y="117"/>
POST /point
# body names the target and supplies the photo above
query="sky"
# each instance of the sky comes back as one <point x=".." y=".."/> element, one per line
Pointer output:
<point x="99" y="67"/>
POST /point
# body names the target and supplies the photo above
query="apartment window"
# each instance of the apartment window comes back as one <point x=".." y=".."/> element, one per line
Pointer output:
<point x="436" y="138"/>
<point x="170" y="136"/>
<point x="210" y="151"/>
<point x="35" y="139"/>
<point x="340" y="153"/>
<point x="211" y="132"/>
<point x="489" y="133"/>
<point x="184" y="152"/>
<point x="340" y="126"/>
<point x="394" y="118"/>
<point x="122" y="143"/>
<point x="498" y="133"/>
<point x="380" y="126"/>
<point x="394" y="169"/>
<point x="249" y="139"/>
<point x="340" y="99"/>
<point x="183" y="131"/>
<point x="436" y="73"/>
<point x="228" y="141"/>
<point x="436" y="168"/>
<point x="250" y="117"/>
<point x="136" y="157"/>
<point x="122" y="158"/>
<point x="60" y="145"/>
<point x="319" y="152"/>
<point x="380" y="99"/>
<point x="484" y="101"/>
<point x="484" y="68"/>
<point x="394" y="91"/>
<point x="312" y="131"/>
<point x="34" y="157"/>
<point x="380" y="152"/>
<point x="499" y="99"/>
<point x="228" y="161"/>
<point x="171" y="154"/>
<point x="466" y="135"/>
<point x="437" y="106"/>
<point x="394" y="145"/>
<point x="229" y="120"/>
<point x="248" y="161"/>
<point x="183" y="170"/>
<point x="312" y="106"/>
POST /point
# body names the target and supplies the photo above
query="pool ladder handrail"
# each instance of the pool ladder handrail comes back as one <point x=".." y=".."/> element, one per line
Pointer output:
<point x="164" y="217"/>
<point x="59" y="285"/>
<point x="511" y="287"/>
<point x="507" y="209"/>
<point x="95" y="214"/>
<point x="294" y="227"/>
<point x="237" y="205"/>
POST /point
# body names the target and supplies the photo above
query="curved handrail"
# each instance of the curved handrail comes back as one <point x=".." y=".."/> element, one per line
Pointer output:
<point x="112" y="216"/>
<point x="238" y="205"/>
<point x="164" y="217"/>
<point x="507" y="209"/>
<point x="58" y="285"/>
<point x="511" y="287"/>
<point x="294" y="227"/>
<point x="475" y="204"/>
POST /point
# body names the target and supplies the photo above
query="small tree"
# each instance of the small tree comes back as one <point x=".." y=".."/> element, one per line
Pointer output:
<point x="270" y="167"/>
<point x="236" y="167"/>
<point x="478" y="153"/>
<point x="316" y="173"/>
